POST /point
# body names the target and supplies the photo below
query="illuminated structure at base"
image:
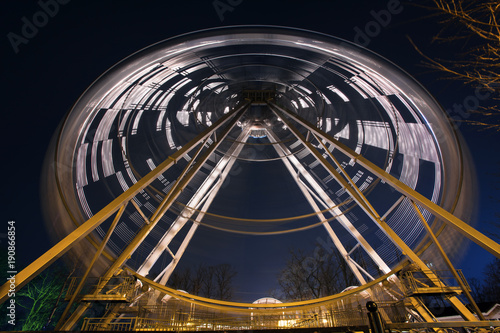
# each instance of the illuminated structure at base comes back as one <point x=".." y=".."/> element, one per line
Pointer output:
<point x="145" y="160"/>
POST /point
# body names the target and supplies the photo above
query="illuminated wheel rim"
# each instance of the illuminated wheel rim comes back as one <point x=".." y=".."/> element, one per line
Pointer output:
<point x="152" y="103"/>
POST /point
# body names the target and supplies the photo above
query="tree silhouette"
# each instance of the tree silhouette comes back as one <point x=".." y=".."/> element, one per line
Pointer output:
<point x="209" y="281"/>
<point x="491" y="283"/>
<point x="316" y="274"/>
<point x="224" y="275"/>
<point x="487" y="290"/>
<point x="472" y="29"/>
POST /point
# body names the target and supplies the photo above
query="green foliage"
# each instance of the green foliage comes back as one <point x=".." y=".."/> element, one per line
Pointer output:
<point x="38" y="299"/>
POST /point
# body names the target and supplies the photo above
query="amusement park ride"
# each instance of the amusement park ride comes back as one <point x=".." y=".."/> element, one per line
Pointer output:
<point x="146" y="152"/>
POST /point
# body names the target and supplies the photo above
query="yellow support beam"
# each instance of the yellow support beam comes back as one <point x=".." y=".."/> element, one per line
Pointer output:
<point x="87" y="227"/>
<point x="169" y="200"/>
<point x="361" y="200"/>
<point x="94" y="259"/>
<point x="451" y="220"/>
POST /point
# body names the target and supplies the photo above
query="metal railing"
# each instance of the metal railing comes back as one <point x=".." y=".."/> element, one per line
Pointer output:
<point x="100" y="324"/>
<point x="115" y="288"/>
<point x="179" y="316"/>
<point x="418" y="282"/>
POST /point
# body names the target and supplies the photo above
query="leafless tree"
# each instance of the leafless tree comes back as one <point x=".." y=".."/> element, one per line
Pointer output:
<point x="491" y="284"/>
<point x="487" y="289"/>
<point x="471" y="26"/>
<point x="197" y="279"/>
<point x="312" y="275"/>
<point x="208" y="281"/>
<point x="293" y="278"/>
<point x="224" y="275"/>
<point x="39" y="296"/>
<point x="181" y="279"/>
<point x="476" y="289"/>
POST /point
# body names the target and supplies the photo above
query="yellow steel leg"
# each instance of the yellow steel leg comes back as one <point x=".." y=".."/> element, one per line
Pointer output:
<point x="437" y="210"/>
<point x="87" y="227"/>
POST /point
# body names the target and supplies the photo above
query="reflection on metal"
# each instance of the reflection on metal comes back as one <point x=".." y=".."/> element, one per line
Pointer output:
<point x="165" y="130"/>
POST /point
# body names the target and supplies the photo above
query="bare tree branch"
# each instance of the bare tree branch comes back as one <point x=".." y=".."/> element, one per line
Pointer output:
<point x="471" y="25"/>
<point x="311" y="275"/>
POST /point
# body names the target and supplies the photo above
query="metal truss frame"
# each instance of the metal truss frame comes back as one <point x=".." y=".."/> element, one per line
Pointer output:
<point x="361" y="200"/>
<point x="186" y="176"/>
<point x="310" y="188"/>
<point x="451" y="220"/>
<point x="204" y="195"/>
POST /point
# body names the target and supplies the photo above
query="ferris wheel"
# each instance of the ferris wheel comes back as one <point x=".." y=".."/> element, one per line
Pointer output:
<point x="259" y="131"/>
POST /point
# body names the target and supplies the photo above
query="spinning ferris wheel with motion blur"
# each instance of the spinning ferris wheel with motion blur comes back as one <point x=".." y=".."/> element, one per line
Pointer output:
<point x="250" y="133"/>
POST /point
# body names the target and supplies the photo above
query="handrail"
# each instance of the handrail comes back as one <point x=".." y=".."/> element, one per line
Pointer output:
<point x="250" y="307"/>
